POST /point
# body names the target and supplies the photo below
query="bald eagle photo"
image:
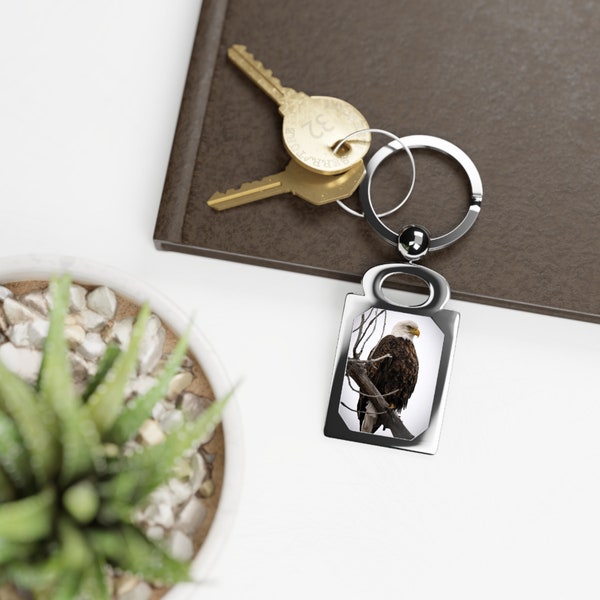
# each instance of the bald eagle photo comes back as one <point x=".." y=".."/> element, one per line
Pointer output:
<point x="394" y="376"/>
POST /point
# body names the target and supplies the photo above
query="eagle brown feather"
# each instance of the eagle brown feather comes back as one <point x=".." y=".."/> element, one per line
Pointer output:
<point x="394" y="376"/>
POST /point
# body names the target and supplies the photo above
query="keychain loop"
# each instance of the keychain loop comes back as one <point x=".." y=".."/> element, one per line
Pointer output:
<point x="439" y="289"/>
<point x="399" y="145"/>
<point x="424" y="241"/>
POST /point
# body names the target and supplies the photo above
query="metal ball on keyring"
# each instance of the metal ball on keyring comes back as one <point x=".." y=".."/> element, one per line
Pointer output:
<point x="413" y="242"/>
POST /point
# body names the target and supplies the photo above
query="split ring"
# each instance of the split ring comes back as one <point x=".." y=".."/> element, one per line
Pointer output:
<point x="414" y="241"/>
<point x="399" y="145"/>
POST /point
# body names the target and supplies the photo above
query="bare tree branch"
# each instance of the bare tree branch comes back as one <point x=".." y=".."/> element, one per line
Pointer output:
<point x="370" y="361"/>
<point x="362" y="321"/>
<point x="370" y="329"/>
<point x="356" y="369"/>
<point x="359" y="337"/>
<point x="366" y="329"/>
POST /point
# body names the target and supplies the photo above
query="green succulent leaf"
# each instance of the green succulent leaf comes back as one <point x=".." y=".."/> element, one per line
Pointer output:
<point x="67" y="587"/>
<point x="82" y="501"/>
<point x="14" y="458"/>
<point x="61" y="575"/>
<point x="136" y="411"/>
<point x="80" y="439"/>
<point x="138" y="475"/>
<point x="127" y="548"/>
<point x="82" y="448"/>
<point x="55" y="380"/>
<point x="28" y="519"/>
<point x="75" y="551"/>
<point x="104" y="365"/>
<point x="7" y="491"/>
<point x="37" y="576"/>
<point x="33" y="420"/>
<point x="10" y="551"/>
<point x="93" y="583"/>
<point x="106" y="401"/>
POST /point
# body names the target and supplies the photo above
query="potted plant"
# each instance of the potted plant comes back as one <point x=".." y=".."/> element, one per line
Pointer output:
<point x="97" y="464"/>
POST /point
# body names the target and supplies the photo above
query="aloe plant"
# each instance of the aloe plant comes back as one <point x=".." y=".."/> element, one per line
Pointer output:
<point x="67" y="488"/>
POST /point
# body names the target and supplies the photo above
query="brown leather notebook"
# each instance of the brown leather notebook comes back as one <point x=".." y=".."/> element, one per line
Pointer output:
<point x="514" y="85"/>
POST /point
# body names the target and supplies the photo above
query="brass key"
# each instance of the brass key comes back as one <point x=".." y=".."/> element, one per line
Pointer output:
<point x="312" y="125"/>
<point x="295" y="179"/>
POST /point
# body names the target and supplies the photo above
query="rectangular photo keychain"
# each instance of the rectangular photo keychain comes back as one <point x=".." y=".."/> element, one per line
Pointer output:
<point x="392" y="365"/>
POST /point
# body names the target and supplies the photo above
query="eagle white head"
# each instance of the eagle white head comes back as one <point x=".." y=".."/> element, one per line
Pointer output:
<point x="406" y="330"/>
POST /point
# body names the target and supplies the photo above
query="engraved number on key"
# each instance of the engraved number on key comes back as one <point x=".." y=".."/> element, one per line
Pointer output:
<point x="312" y="125"/>
<point x="312" y="187"/>
<point x="318" y="126"/>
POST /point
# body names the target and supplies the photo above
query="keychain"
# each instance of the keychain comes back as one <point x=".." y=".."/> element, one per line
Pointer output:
<point x="392" y="363"/>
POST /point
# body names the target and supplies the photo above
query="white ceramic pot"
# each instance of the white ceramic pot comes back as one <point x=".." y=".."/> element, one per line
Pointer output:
<point x="23" y="268"/>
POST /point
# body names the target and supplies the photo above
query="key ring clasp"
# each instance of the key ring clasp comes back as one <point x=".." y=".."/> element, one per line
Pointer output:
<point x="399" y="145"/>
<point x="414" y="241"/>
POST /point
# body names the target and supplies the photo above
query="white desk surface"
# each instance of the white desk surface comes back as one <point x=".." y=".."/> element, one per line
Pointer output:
<point x="508" y="508"/>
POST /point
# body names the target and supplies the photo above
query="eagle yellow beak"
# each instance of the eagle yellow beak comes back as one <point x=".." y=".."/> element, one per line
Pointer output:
<point x="415" y="331"/>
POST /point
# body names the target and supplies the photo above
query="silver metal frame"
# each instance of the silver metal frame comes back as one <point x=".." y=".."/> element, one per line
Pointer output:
<point x="431" y="143"/>
<point x="446" y="320"/>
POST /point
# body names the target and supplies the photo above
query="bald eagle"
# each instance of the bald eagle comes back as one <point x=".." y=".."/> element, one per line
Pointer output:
<point x="394" y="376"/>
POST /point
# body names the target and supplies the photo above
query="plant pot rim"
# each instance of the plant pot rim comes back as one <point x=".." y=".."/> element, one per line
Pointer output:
<point x="85" y="271"/>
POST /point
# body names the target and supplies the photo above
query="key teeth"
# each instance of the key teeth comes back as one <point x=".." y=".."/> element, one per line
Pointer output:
<point x="235" y="190"/>
<point x="238" y="50"/>
<point x="246" y="55"/>
<point x="218" y="196"/>
<point x="245" y="193"/>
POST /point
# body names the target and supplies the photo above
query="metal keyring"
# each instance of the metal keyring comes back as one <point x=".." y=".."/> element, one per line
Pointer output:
<point x="431" y="143"/>
<point x="400" y="145"/>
